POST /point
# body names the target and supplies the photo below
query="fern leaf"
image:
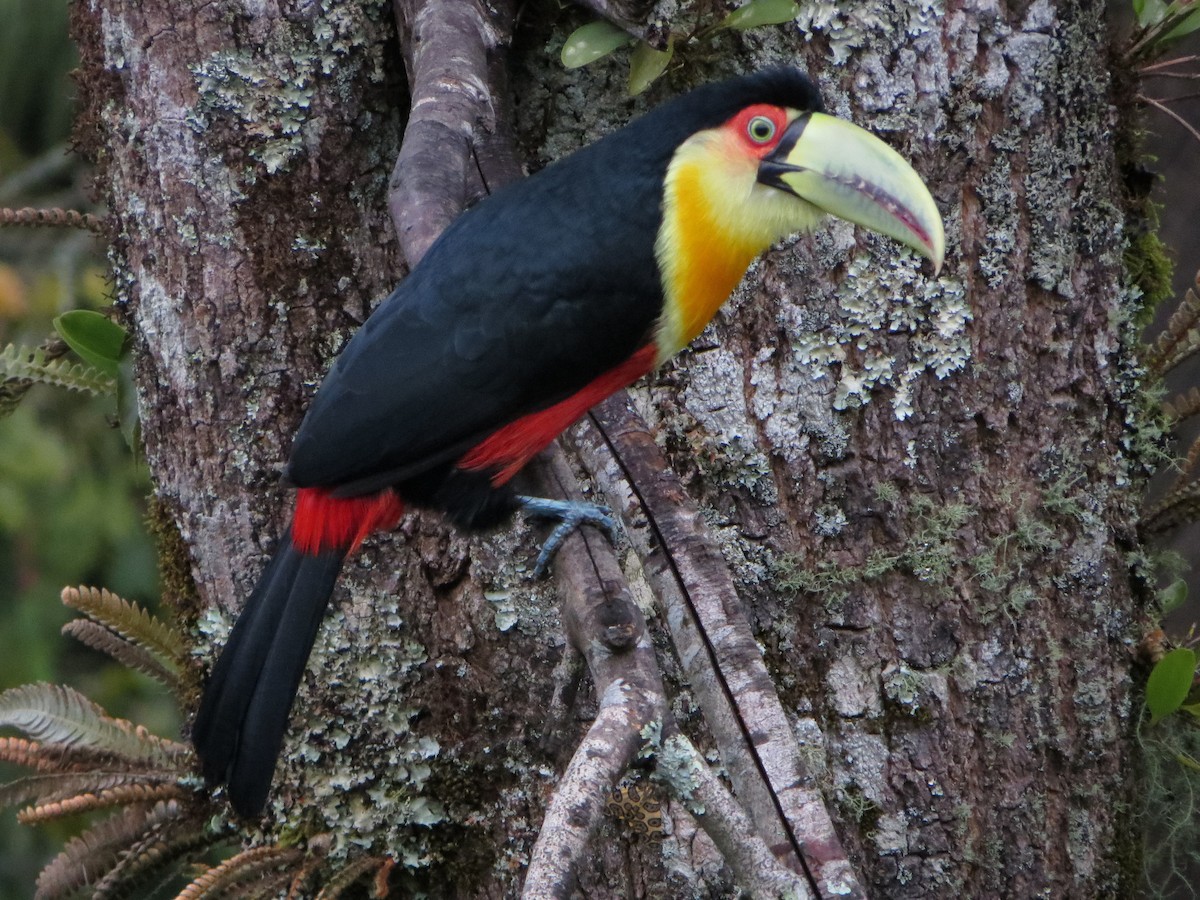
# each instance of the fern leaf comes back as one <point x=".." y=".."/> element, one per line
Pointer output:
<point x="128" y="620"/>
<point x="27" y="754"/>
<point x="247" y="865"/>
<point x="130" y="655"/>
<point x="31" y="365"/>
<point x="122" y="795"/>
<point x="87" y="857"/>
<point x="351" y="874"/>
<point x="61" y="715"/>
<point x="1183" y="406"/>
<point x="1179" y="507"/>
<point x="1180" y="338"/>
<point x="59" y="786"/>
<point x="268" y="887"/>
<point x="169" y="839"/>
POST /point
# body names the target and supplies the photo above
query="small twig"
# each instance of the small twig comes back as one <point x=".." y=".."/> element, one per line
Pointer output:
<point x="54" y="218"/>
<point x="1170" y="112"/>
<point x="1184" y="76"/>
<point x="1168" y="63"/>
<point x="1179" y="97"/>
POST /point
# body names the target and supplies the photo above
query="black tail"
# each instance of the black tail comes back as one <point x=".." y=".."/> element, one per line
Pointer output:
<point x="244" y="712"/>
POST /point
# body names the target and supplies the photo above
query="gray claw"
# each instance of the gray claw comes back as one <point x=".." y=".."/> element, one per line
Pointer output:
<point x="570" y="515"/>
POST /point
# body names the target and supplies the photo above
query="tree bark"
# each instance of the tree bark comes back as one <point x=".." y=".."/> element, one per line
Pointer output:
<point x="925" y="490"/>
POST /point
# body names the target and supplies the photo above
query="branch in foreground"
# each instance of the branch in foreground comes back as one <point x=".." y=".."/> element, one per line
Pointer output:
<point x="712" y="635"/>
<point x="691" y="780"/>
<point x="455" y="148"/>
<point x="608" y="628"/>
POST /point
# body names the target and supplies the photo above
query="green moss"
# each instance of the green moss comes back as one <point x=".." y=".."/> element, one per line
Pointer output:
<point x="178" y="590"/>
<point x="1148" y="265"/>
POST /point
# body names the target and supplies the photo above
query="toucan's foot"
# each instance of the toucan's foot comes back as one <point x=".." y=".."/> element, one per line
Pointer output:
<point x="569" y="514"/>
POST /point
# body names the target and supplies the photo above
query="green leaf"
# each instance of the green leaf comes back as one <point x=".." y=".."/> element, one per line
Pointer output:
<point x="1189" y="24"/>
<point x="96" y="338"/>
<point x="1149" y="12"/>
<point x="646" y="64"/>
<point x="1169" y="682"/>
<point x="761" y="12"/>
<point x="1173" y="596"/>
<point x="592" y="42"/>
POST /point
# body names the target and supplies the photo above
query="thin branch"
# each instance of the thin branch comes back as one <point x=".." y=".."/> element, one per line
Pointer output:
<point x="1168" y="63"/>
<point x="705" y="797"/>
<point x="1170" y="112"/>
<point x="606" y="626"/>
<point x="455" y="77"/>
<point x="1180" y="97"/>
<point x="713" y="637"/>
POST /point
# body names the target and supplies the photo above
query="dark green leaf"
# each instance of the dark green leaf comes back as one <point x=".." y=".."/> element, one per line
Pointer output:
<point x="646" y="64"/>
<point x="95" y="338"/>
<point x="1149" y="12"/>
<point x="1189" y="24"/>
<point x="761" y="12"/>
<point x="1169" y="683"/>
<point x="591" y="42"/>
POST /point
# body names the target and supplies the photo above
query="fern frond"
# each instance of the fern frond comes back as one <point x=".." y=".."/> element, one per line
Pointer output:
<point x="1180" y="338"/>
<point x="57" y="714"/>
<point x="87" y="857"/>
<point x="352" y="873"/>
<point x="58" y="786"/>
<point x="1179" y="507"/>
<point x="1183" y="406"/>
<point x="170" y="837"/>
<point x="130" y="655"/>
<point x="25" y="365"/>
<point x="14" y="389"/>
<point x="266" y="888"/>
<point x="128" y="620"/>
<point x="249" y="864"/>
<point x="24" y="753"/>
<point x="123" y="795"/>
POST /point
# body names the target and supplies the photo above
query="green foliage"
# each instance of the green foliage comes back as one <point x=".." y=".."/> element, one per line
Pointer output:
<point x="1161" y="24"/>
<point x="1169" y="683"/>
<point x="30" y="365"/>
<point x="98" y="340"/>
<point x="647" y="63"/>
<point x="591" y="42"/>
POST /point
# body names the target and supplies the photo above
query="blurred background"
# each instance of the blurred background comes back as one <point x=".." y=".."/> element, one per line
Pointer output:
<point x="73" y="494"/>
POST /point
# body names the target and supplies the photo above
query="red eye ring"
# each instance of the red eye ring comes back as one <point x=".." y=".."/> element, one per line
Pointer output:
<point x="758" y="128"/>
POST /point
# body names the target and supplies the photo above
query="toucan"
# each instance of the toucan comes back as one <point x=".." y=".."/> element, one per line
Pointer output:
<point x="535" y="304"/>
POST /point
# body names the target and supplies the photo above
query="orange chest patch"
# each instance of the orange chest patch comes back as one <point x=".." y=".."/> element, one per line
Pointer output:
<point x="701" y="258"/>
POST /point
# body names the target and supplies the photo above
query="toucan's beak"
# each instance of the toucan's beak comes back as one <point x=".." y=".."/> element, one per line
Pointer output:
<point x="849" y="173"/>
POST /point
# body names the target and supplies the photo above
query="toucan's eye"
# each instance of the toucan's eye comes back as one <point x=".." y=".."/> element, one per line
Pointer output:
<point x="760" y="129"/>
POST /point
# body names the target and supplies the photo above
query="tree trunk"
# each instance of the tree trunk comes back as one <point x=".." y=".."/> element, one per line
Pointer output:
<point x="924" y="489"/>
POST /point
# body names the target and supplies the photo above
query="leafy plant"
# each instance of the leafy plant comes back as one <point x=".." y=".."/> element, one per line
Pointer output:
<point x="1161" y="23"/>
<point x="647" y="63"/>
<point x="83" y="760"/>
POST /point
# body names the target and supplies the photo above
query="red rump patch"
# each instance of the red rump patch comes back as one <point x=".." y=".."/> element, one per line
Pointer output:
<point x="325" y="522"/>
<point x="508" y="449"/>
